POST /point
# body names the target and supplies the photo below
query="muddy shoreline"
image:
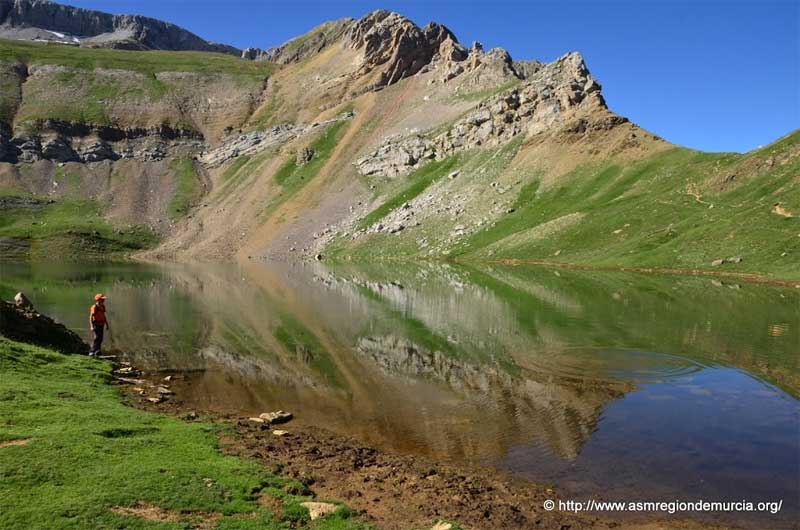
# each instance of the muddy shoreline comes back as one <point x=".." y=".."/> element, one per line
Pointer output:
<point x="390" y="490"/>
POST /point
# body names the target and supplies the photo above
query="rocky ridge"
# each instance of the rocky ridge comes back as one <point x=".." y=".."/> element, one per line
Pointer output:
<point x="389" y="44"/>
<point x="42" y="20"/>
<point x="304" y="46"/>
<point x="394" y="45"/>
<point x="551" y="93"/>
<point x="453" y="60"/>
<point x="259" y="140"/>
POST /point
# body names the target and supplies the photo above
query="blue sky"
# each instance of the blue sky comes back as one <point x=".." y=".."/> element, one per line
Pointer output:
<point x="709" y="74"/>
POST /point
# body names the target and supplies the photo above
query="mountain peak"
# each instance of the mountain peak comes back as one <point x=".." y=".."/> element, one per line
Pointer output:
<point x="394" y="43"/>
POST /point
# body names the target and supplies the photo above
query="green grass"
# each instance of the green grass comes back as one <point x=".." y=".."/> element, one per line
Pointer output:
<point x="69" y="228"/>
<point x="614" y="213"/>
<point x="292" y="178"/>
<point x="9" y="92"/>
<point x="231" y="171"/>
<point x="186" y="187"/>
<point x="641" y="215"/>
<point x="88" y="453"/>
<point x="242" y="168"/>
<point x="79" y="96"/>
<point x="417" y="182"/>
<point x="147" y="62"/>
<point x="83" y="93"/>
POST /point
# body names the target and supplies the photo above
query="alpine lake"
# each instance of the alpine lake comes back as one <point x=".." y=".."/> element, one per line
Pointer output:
<point x="611" y="386"/>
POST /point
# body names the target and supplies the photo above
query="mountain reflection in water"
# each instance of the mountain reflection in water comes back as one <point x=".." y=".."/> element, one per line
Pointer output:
<point x="656" y="386"/>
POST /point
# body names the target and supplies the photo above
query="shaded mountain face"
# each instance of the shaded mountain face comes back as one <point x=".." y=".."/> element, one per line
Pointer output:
<point x="41" y="20"/>
<point x="361" y="139"/>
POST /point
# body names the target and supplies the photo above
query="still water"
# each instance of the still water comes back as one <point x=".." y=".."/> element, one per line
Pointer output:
<point x="608" y="385"/>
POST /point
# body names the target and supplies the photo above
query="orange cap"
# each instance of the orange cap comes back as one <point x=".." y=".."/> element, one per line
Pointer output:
<point x="99" y="296"/>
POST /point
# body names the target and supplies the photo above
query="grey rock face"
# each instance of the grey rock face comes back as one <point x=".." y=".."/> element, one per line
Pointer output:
<point x="97" y="152"/>
<point x="58" y="150"/>
<point x="494" y="67"/>
<point x="74" y="25"/>
<point x="254" y="54"/>
<point x="525" y="69"/>
<point x="29" y="148"/>
<point x="22" y="301"/>
<point x="8" y="151"/>
<point x="250" y="143"/>
<point x="22" y="323"/>
<point x="279" y="416"/>
<point x="62" y="141"/>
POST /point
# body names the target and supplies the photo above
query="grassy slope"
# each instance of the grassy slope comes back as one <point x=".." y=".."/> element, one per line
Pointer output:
<point x="73" y="226"/>
<point x="146" y="62"/>
<point x="476" y="168"/>
<point x="186" y="187"/>
<point x="69" y="227"/>
<point x="99" y="84"/>
<point x="418" y="182"/>
<point x="88" y="452"/>
<point x="636" y="214"/>
<point x="96" y="84"/>
<point x="641" y="215"/>
<point x="292" y="178"/>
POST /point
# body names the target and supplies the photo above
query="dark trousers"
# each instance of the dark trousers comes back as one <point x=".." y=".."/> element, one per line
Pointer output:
<point x="97" y="339"/>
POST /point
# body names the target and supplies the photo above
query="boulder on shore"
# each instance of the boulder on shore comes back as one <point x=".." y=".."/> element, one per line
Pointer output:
<point x="20" y="322"/>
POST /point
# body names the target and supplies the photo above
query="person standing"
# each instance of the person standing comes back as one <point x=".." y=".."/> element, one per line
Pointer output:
<point x="98" y="323"/>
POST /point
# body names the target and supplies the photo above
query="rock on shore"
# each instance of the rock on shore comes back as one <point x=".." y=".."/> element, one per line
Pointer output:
<point x="20" y="321"/>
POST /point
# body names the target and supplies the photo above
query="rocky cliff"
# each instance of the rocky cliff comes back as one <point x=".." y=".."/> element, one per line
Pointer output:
<point x="394" y="44"/>
<point x="42" y="20"/>
<point x="550" y="94"/>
